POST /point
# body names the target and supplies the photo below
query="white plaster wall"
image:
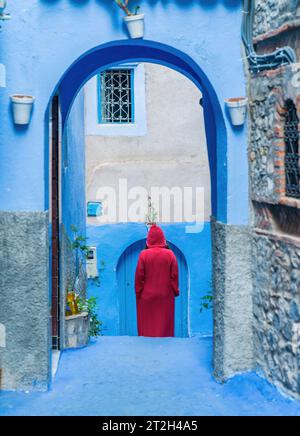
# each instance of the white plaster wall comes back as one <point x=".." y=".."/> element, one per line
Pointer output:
<point x="172" y="152"/>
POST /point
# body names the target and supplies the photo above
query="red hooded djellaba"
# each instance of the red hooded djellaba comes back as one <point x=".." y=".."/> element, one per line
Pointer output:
<point x="156" y="286"/>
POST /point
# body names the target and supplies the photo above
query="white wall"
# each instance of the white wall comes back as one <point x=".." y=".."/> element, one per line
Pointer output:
<point x="172" y="152"/>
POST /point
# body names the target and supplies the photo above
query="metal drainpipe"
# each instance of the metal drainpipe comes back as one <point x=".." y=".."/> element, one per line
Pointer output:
<point x="257" y="63"/>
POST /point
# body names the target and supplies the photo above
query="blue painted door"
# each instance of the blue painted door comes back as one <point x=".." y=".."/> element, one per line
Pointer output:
<point x="127" y="302"/>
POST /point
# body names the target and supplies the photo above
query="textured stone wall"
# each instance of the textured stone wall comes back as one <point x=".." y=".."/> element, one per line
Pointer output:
<point x="233" y="311"/>
<point x="24" y="301"/>
<point x="276" y="217"/>
<point x="262" y="113"/>
<point x="269" y="92"/>
<point x="271" y="14"/>
<point x="277" y="310"/>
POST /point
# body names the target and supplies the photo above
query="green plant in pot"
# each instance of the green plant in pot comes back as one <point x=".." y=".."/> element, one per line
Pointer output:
<point x="77" y="302"/>
<point x="133" y="20"/>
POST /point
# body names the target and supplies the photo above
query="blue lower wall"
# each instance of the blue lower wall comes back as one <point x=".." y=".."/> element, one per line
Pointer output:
<point x="111" y="242"/>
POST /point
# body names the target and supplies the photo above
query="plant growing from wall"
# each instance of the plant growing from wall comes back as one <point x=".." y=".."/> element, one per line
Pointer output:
<point x="124" y="5"/>
<point x="152" y="215"/>
<point x="206" y="302"/>
<point x="89" y="305"/>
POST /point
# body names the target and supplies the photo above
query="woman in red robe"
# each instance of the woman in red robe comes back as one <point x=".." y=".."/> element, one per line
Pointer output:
<point x="156" y="286"/>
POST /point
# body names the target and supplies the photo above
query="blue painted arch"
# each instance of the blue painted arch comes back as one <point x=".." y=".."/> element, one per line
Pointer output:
<point x="106" y="55"/>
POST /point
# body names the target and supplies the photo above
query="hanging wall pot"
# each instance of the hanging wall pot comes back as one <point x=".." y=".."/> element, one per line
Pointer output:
<point x="135" y="25"/>
<point x="3" y="16"/>
<point x="237" y="108"/>
<point x="22" y="108"/>
<point x="2" y="6"/>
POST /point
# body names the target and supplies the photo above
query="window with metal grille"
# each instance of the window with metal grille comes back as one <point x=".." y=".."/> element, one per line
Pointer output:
<point x="291" y="135"/>
<point x="116" y="96"/>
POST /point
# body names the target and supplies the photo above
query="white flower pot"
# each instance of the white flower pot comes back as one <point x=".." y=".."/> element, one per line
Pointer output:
<point x="237" y="108"/>
<point x="22" y="107"/>
<point x="135" y="25"/>
<point x="2" y="6"/>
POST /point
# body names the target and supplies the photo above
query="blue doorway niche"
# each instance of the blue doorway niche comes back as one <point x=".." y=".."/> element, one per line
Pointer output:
<point x="126" y="294"/>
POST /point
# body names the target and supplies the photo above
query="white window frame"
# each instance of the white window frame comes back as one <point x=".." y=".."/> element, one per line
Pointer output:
<point x="138" y="127"/>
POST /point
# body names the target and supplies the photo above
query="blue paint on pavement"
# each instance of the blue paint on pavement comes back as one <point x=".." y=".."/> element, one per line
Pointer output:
<point x="146" y="376"/>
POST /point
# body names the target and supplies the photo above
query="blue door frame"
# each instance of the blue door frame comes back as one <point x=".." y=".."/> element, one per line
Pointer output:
<point x="126" y="295"/>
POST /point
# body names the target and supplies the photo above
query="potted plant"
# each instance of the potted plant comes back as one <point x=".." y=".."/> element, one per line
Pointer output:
<point x="133" y="20"/>
<point x="237" y="108"/>
<point x="2" y="5"/>
<point x="22" y="108"/>
<point x="3" y="16"/>
<point x="81" y="314"/>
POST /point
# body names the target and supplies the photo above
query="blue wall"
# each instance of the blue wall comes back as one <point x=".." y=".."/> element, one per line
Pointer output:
<point x="45" y="37"/>
<point x="73" y="169"/>
<point x="195" y="247"/>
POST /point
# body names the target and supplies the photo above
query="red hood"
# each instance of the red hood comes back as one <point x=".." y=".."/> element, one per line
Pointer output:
<point x="156" y="237"/>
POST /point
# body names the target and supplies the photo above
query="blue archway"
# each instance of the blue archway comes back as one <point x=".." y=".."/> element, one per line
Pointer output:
<point x="106" y="55"/>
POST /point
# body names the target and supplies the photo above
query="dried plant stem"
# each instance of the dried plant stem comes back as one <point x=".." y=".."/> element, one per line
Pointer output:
<point x="124" y="6"/>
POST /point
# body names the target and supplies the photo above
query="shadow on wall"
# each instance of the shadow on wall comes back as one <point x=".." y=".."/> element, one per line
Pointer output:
<point x="115" y="14"/>
<point x="184" y="4"/>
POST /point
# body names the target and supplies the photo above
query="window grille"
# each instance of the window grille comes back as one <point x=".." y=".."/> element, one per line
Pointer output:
<point x="291" y="135"/>
<point x="116" y="96"/>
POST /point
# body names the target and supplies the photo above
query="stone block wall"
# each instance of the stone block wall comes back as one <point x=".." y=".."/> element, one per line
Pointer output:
<point x="276" y="216"/>
<point x="271" y="14"/>
<point x="277" y="309"/>
<point x="269" y="92"/>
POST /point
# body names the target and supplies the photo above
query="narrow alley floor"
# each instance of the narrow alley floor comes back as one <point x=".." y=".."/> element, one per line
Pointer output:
<point x="143" y="376"/>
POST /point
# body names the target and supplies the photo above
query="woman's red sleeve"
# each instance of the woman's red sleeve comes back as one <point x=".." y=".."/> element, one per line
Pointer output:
<point x="174" y="276"/>
<point x="140" y="277"/>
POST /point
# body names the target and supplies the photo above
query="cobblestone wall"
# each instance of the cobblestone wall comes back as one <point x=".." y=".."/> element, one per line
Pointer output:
<point x="271" y="14"/>
<point x="277" y="310"/>
<point x="276" y="217"/>
<point x="269" y="92"/>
